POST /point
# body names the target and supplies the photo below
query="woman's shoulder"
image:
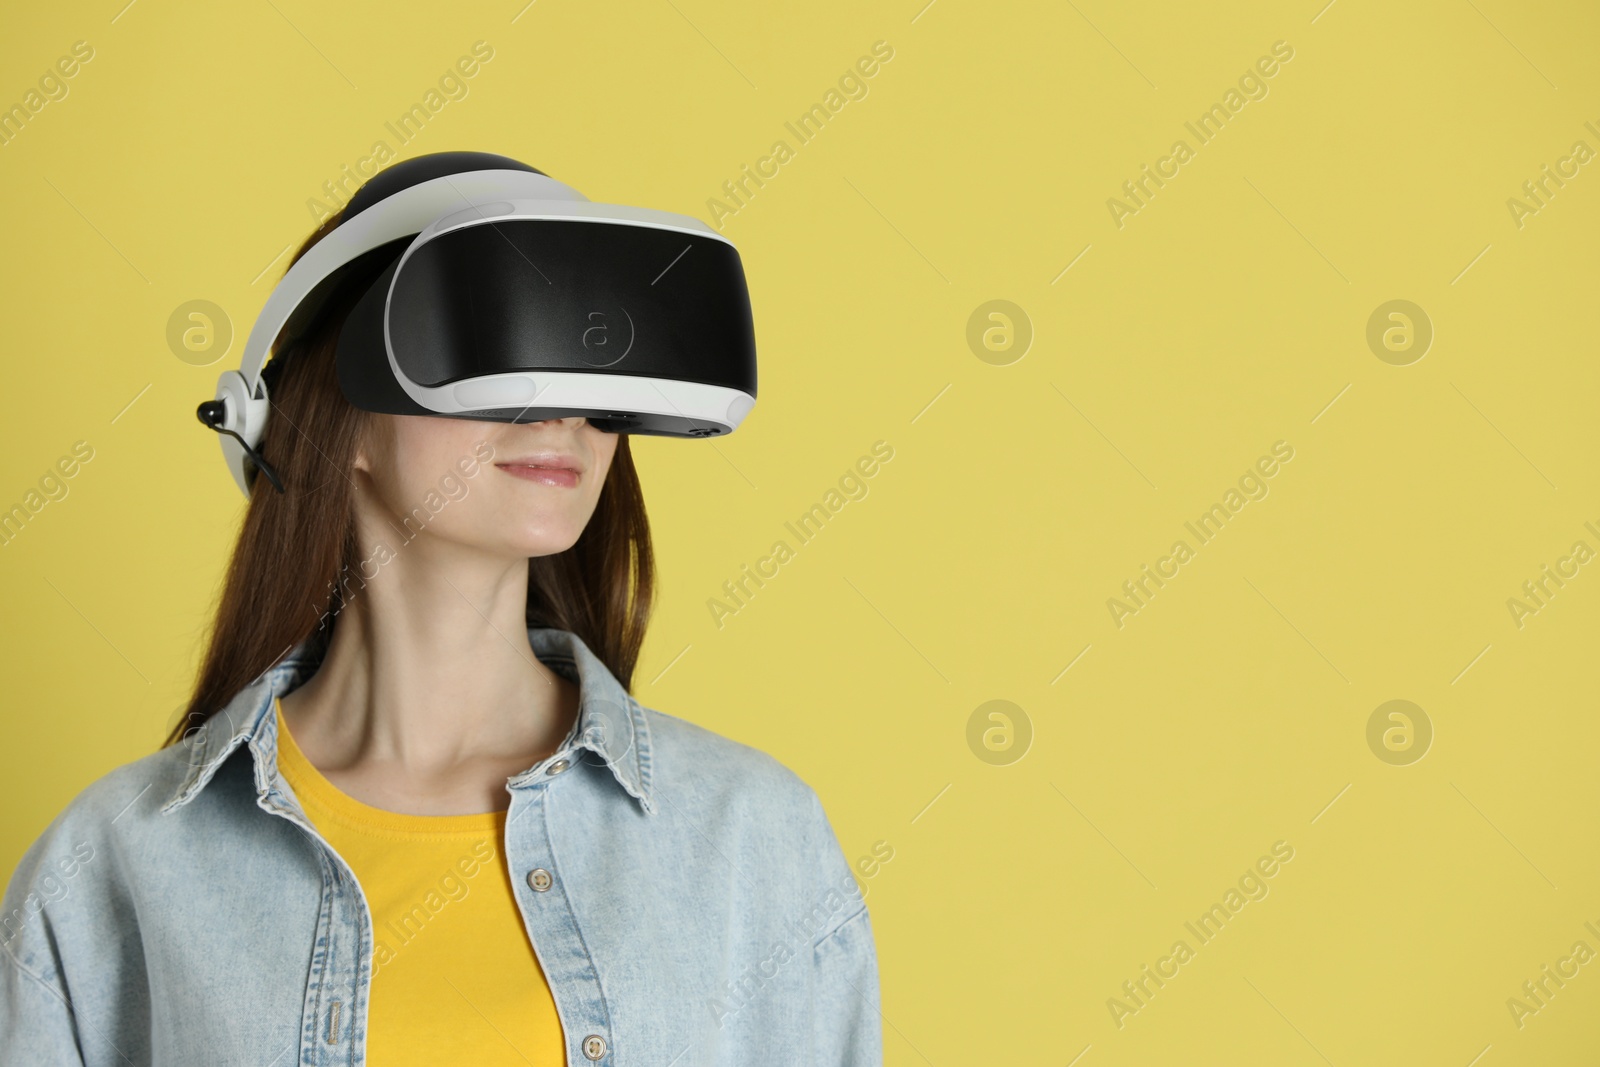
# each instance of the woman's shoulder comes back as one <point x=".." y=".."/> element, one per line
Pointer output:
<point x="72" y="865"/>
<point x="121" y="801"/>
<point x="739" y="795"/>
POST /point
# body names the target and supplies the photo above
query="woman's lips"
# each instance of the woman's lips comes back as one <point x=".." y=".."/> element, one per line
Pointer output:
<point x="562" y="476"/>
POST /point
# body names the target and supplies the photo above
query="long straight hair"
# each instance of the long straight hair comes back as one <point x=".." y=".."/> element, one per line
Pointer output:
<point x="297" y="550"/>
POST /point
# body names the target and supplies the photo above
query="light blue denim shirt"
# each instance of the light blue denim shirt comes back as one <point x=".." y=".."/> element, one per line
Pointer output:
<point x="685" y="895"/>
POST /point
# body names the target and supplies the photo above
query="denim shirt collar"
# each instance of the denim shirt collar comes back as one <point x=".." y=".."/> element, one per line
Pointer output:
<point x="611" y="724"/>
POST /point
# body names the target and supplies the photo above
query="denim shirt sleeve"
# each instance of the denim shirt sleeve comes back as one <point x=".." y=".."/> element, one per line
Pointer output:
<point x="38" y="1024"/>
<point x="847" y="1021"/>
<point x="71" y="953"/>
<point x="848" y="1028"/>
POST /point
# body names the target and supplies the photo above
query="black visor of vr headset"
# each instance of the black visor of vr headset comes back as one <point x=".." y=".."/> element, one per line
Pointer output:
<point x="485" y="289"/>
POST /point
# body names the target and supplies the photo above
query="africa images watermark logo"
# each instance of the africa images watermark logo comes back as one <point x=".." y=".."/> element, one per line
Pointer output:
<point x="405" y="925"/>
<point x="450" y="85"/>
<point x="52" y="86"/>
<point x="1251" y="886"/>
<point x="1252" y="85"/>
<point x="796" y="936"/>
<point x="851" y="85"/>
<point x="451" y="488"/>
<point x="1252" y="485"/>
<point x="1537" y="192"/>
<point x="49" y="888"/>
<point x="52" y="486"/>
<point x="739" y="591"/>
<point x="1537" y="592"/>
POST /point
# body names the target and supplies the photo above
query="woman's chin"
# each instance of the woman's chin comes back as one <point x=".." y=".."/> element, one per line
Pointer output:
<point x="543" y="542"/>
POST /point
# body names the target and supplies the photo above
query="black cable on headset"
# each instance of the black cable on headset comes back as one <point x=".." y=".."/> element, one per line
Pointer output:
<point x="212" y="413"/>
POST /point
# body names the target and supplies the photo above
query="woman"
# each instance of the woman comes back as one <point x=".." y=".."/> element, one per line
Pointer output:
<point x="414" y="815"/>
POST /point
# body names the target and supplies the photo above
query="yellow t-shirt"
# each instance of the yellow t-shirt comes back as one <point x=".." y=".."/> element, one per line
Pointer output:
<point x="454" y="976"/>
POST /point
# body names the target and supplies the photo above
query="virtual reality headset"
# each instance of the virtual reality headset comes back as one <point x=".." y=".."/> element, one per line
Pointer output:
<point x="485" y="289"/>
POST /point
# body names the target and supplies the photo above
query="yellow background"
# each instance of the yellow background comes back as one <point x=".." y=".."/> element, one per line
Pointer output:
<point x="1228" y="314"/>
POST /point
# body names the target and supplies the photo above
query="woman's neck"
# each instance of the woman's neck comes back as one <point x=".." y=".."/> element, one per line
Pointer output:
<point x="429" y="696"/>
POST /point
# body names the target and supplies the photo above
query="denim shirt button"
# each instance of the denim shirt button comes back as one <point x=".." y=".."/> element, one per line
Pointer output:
<point x="594" y="1046"/>
<point x="539" y="879"/>
<point x="557" y="767"/>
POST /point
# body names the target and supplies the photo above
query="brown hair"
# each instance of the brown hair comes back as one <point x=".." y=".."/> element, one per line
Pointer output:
<point x="286" y="581"/>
